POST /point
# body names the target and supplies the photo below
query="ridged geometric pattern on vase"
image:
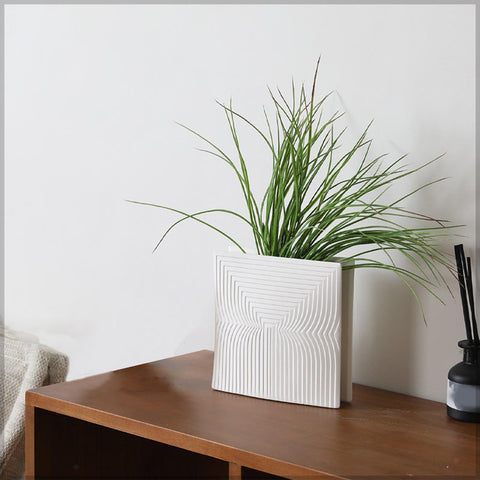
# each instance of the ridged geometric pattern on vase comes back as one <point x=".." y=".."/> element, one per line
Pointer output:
<point x="278" y="328"/>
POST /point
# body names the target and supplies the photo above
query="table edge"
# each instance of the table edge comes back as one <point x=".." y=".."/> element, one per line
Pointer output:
<point x="174" y="438"/>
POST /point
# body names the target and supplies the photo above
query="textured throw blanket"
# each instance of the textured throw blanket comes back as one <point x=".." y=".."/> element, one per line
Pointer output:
<point x="27" y="365"/>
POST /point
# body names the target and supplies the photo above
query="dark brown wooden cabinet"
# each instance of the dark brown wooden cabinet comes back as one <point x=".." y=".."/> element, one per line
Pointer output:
<point x="162" y="420"/>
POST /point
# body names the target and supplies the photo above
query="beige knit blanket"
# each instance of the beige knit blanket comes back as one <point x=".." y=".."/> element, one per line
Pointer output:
<point x="27" y="365"/>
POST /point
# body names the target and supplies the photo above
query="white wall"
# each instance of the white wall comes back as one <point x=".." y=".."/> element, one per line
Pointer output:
<point x="92" y="93"/>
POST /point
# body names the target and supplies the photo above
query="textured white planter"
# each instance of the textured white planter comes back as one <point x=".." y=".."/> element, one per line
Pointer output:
<point x="279" y="329"/>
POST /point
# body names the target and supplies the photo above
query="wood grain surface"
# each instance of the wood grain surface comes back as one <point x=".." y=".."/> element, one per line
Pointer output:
<point x="379" y="435"/>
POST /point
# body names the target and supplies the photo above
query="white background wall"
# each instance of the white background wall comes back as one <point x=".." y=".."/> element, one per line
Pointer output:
<point x="92" y="93"/>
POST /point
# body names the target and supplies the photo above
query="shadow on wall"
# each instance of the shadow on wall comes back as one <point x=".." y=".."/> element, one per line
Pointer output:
<point x="384" y="324"/>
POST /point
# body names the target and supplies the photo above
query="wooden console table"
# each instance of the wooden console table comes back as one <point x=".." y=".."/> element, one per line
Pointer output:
<point x="163" y="420"/>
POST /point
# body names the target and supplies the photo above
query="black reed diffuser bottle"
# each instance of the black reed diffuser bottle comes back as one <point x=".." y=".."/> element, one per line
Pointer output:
<point x="463" y="390"/>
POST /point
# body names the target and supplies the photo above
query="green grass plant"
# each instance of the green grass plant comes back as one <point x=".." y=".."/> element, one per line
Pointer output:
<point x="315" y="208"/>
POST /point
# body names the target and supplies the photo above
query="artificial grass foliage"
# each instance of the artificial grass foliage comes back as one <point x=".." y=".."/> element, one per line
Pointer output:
<point x="312" y="209"/>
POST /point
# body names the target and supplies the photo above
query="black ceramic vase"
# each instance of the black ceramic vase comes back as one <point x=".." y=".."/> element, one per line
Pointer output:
<point x="463" y="391"/>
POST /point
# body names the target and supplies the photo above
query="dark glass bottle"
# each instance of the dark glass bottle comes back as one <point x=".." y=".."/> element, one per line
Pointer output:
<point x="463" y="391"/>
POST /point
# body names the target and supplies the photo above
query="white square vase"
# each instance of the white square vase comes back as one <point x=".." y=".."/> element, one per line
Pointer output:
<point x="280" y="331"/>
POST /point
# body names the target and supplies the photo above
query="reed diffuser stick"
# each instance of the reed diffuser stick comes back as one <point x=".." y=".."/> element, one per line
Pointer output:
<point x="461" y="283"/>
<point x="468" y="276"/>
